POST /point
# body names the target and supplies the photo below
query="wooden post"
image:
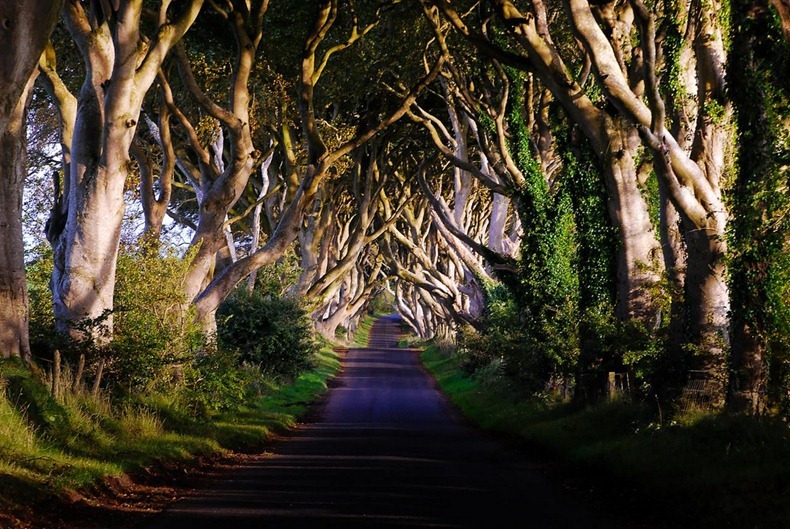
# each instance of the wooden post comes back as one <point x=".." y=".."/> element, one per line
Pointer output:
<point x="97" y="380"/>
<point x="56" y="375"/>
<point x="78" y="376"/>
<point x="612" y="385"/>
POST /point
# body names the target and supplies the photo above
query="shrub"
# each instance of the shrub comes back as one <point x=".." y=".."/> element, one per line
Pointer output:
<point x="154" y="332"/>
<point x="217" y="380"/>
<point x="274" y="333"/>
<point x="43" y="336"/>
<point x="473" y="350"/>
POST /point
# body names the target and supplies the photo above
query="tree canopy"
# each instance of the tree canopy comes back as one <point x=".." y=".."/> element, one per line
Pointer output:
<point x="563" y="189"/>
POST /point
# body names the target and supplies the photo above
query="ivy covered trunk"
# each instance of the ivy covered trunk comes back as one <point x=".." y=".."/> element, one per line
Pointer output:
<point x="760" y="264"/>
<point x="639" y="266"/>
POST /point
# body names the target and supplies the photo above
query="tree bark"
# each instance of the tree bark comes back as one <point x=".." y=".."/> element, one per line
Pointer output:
<point x="26" y="27"/>
<point x="320" y="158"/>
<point x="14" y="339"/>
<point x="639" y="265"/>
<point x="614" y="140"/>
<point x="121" y="65"/>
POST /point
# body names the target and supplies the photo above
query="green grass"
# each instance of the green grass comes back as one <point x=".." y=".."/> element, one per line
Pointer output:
<point x="362" y="333"/>
<point x="49" y="446"/>
<point x="714" y="470"/>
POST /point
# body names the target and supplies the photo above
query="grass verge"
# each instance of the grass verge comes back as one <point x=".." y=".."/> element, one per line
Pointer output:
<point x="362" y="332"/>
<point x="56" y="448"/>
<point x="714" y="471"/>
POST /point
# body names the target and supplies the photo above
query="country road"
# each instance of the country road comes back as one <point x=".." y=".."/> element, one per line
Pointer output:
<point x="385" y="451"/>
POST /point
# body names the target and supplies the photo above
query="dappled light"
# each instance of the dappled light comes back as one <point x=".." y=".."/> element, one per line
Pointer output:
<point x="277" y="263"/>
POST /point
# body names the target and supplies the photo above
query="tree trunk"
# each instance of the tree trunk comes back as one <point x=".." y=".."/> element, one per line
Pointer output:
<point x="86" y="251"/>
<point x="120" y="69"/>
<point x="638" y="258"/>
<point x="708" y="305"/>
<point x="674" y="252"/>
<point x="14" y="340"/>
<point x="616" y="142"/>
<point x="26" y="29"/>
<point x="497" y="224"/>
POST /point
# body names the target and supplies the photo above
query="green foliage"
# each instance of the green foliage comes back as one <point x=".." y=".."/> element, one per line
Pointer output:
<point x="49" y="446"/>
<point x="274" y="333"/>
<point x="741" y="462"/>
<point x="760" y="228"/>
<point x="381" y="303"/>
<point x="651" y="193"/>
<point x="538" y="327"/>
<point x="715" y="111"/>
<point x="672" y="85"/>
<point x="362" y="332"/>
<point x="275" y="279"/>
<point x="583" y="178"/>
<point x="218" y="380"/>
<point x="547" y="296"/>
<point x="43" y="337"/>
<point x="597" y="239"/>
<point x="616" y="345"/>
<point x="154" y="331"/>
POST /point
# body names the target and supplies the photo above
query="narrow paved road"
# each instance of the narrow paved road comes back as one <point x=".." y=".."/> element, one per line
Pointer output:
<point x="386" y="452"/>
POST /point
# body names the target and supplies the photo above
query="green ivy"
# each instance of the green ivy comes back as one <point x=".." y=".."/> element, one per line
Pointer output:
<point x="597" y="237"/>
<point x="760" y="226"/>
<point x="549" y="280"/>
<point x="672" y="84"/>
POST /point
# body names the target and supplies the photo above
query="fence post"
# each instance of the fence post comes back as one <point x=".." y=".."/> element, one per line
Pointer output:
<point x="612" y="389"/>
<point x="56" y="375"/>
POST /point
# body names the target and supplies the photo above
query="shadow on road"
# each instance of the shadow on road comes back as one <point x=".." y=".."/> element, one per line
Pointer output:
<point x="384" y="452"/>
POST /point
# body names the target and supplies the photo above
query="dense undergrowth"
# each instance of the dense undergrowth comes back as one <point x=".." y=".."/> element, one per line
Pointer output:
<point x="714" y="470"/>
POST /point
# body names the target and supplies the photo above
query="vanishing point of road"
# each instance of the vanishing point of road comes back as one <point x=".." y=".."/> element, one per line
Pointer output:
<point x="386" y="451"/>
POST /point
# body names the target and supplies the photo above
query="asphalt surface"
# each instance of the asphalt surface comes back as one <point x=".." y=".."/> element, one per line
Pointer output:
<point x="385" y="452"/>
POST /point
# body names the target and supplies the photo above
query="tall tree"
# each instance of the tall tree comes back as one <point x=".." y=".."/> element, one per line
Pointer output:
<point x="26" y="27"/>
<point x="759" y="73"/>
<point x="614" y="137"/>
<point x="121" y="61"/>
<point x="321" y="158"/>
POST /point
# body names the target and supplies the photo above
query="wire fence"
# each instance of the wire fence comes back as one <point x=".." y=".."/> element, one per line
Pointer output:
<point x="591" y="387"/>
<point x="701" y="393"/>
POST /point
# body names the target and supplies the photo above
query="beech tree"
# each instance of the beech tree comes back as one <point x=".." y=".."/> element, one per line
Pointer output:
<point x="122" y="58"/>
<point x="690" y="172"/>
<point x="693" y="179"/>
<point x="338" y="245"/>
<point x="26" y="27"/>
<point x="614" y="138"/>
<point x="320" y="159"/>
<point x="579" y="155"/>
<point x="759" y="200"/>
<point x="444" y="275"/>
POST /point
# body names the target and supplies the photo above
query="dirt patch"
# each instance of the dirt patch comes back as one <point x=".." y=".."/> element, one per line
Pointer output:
<point x="126" y="501"/>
